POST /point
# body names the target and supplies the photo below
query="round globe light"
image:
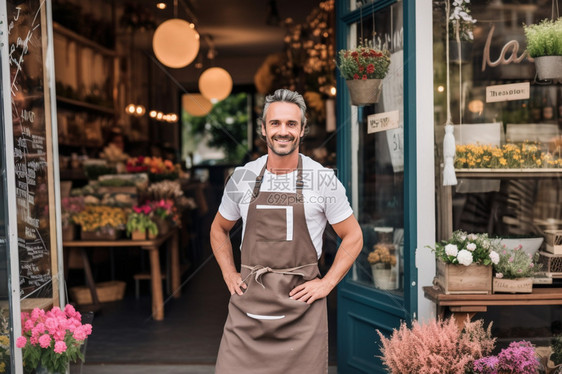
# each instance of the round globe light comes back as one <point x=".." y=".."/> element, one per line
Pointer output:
<point x="215" y="84"/>
<point x="196" y="104"/>
<point x="175" y="43"/>
<point x="130" y="109"/>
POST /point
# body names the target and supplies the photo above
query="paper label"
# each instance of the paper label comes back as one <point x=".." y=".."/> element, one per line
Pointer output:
<point x="383" y="121"/>
<point x="508" y="92"/>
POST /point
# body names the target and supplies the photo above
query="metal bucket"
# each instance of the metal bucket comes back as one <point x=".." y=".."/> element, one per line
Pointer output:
<point x="549" y="67"/>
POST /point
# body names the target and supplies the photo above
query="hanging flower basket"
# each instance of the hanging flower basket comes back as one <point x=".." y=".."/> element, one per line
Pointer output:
<point x="364" y="91"/>
<point x="549" y="67"/>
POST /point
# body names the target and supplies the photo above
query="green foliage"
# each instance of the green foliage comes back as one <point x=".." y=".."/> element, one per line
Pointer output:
<point x="515" y="263"/>
<point x="117" y="182"/>
<point x="94" y="171"/>
<point x="544" y="38"/>
<point x="363" y="63"/>
<point x="557" y="350"/>
<point x="226" y="125"/>
<point x="141" y="222"/>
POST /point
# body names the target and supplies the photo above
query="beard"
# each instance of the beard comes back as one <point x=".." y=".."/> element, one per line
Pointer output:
<point x="283" y="149"/>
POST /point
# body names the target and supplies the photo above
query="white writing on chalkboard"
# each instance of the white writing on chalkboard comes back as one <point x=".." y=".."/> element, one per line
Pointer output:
<point x="29" y="103"/>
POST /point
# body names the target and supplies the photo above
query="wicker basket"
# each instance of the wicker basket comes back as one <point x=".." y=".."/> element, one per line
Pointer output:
<point x="550" y="263"/>
<point x="107" y="291"/>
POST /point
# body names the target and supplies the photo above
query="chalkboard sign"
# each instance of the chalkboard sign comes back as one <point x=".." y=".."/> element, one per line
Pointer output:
<point x="31" y="116"/>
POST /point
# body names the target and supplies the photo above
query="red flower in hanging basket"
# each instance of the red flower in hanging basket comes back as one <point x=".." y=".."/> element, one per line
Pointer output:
<point x="363" y="63"/>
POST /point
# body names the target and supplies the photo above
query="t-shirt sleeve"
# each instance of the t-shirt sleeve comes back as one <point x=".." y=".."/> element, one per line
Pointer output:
<point x="229" y="207"/>
<point x="337" y="207"/>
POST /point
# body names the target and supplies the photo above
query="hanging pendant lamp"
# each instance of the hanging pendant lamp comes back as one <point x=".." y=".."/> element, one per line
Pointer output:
<point x="175" y="43"/>
<point x="196" y="104"/>
<point x="215" y="84"/>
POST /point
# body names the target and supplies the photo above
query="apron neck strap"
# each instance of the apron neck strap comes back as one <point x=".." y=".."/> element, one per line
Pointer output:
<point x="259" y="179"/>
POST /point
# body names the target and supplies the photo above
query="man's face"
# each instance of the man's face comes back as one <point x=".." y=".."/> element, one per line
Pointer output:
<point x="282" y="128"/>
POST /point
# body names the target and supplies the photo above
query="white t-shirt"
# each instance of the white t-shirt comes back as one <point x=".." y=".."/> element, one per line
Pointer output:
<point x="323" y="194"/>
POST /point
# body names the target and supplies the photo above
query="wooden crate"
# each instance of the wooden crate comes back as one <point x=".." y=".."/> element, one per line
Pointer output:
<point x="519" y="285"/>
<point x="460" y="279"/>
<point x="107" y="291"/>
<point x="553" y="241"/>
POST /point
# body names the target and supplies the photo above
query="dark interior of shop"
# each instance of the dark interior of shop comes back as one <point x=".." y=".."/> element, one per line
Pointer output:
<point x="254" y="41"/>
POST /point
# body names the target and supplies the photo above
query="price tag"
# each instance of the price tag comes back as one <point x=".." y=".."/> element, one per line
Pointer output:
<point x="383" y="121"/>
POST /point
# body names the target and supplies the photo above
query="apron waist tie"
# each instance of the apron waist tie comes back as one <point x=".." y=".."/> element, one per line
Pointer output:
<point x="259" y="270"/>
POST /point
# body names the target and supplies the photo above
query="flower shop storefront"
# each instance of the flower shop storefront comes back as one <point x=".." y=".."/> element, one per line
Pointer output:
<point x="477" y="229"/>
<point x="497" y="130"/>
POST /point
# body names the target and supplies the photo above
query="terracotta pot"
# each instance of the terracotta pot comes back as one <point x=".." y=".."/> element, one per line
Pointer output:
<point x="364" y="91"/>
<point x="138" y="235"/>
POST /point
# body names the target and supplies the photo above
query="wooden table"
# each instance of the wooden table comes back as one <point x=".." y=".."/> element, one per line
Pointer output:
<point x="466" y="306"/>
<point x="153" y="246"/>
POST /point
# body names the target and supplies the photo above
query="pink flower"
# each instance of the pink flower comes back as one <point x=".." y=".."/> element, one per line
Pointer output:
<point x="511" y="259"/>
<point x="28" y="325"/>
<point x="70" y="311"/>
<point x="33" y="340"/>
<point x="51" y="324"/>
<point x="137" y="209"/>
<point x="60" y="347"/>
<point x="88" y="328"/>
<point x="59" y="335"/>
<point x="499" y="275"/>
<point x="45" y="340"/>
<point x="21" y="342"/>
<point x="37" y="313"/>
<point x="80" y="333"/>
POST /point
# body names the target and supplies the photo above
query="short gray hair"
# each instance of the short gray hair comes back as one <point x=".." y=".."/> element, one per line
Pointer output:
<point x="286" y="96"/>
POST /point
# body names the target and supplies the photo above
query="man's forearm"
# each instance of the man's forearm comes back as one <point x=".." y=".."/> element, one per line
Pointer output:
<point x="348" y="251"/>
<point x="222" y="249"/>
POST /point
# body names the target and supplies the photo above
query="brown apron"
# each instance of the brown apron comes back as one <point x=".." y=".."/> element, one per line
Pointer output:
<point x="266" y="331"/>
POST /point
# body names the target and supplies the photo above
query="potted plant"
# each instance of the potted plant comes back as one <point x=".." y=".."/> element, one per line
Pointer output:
<point x="461" y="25"/>
<point x="383" y="264"/>
<point x="164" y="214"/>
<point x="50" y="340"/>
<point x="464" y="263"/>
<point x="514" y="271"/>
<point x="139" y="223"/>
<point x="70" y="206"/>
<point x="101" y="222"/>
<point x="544" y="44"/>
<point x="437" y="346"/>
<point x="519" y="358"/>
<point x="363" y="69"/>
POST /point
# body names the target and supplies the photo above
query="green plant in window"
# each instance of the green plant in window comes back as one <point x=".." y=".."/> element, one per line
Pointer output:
<point x="544" y="38"/>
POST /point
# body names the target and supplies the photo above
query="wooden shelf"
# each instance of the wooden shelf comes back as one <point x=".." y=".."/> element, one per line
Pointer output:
<point x="84" y="105"/>
<point x="508" y="173"/>
<point x="58" y="28"/>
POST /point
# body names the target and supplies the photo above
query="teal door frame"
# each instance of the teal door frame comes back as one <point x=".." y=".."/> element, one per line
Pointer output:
<point x="363" y="309"/>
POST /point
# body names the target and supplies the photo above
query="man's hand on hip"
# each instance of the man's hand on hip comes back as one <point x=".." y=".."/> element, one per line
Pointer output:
<point x="234" y="283"/>
<point x="311" y="291"/>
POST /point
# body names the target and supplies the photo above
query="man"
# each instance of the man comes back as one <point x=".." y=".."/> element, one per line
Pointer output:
<point x="277" y="320"/>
